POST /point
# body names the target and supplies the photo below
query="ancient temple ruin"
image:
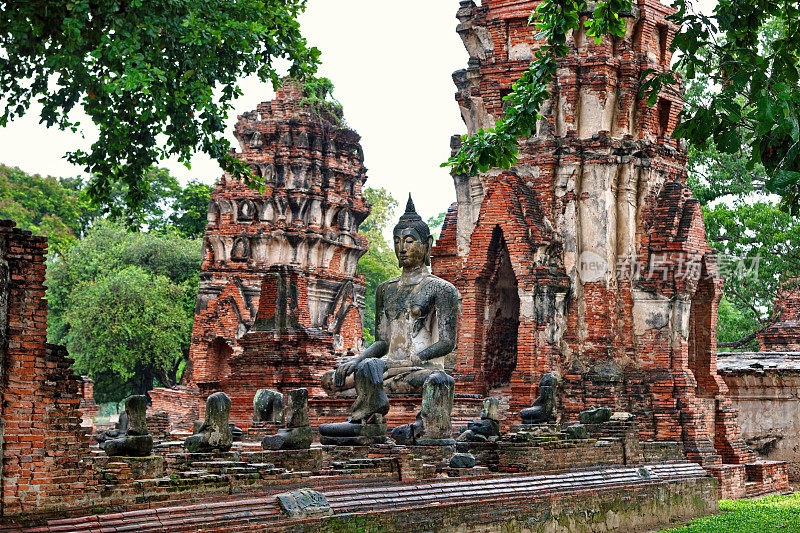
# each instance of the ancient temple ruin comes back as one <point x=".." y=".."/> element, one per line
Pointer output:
<point x="586" y="281"/>
<point x="763" y="384"/>
<point x="300" y="233"/>
<point x="587" y="258"/>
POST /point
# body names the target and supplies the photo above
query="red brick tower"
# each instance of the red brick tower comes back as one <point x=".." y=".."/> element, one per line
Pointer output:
<point x="588" y="258"/>
<point x="784" y="334"/>
<point x="302" y="227"/>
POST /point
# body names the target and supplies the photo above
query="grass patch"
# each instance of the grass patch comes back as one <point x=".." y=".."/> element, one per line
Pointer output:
<point x="771" y="513"/>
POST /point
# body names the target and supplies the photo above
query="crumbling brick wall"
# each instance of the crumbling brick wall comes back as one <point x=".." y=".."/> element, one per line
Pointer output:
<point x="784" y="334"/>
<point x="42" y="439"/>
<point x="306" y="217"/>
<point x="617" y="288"/>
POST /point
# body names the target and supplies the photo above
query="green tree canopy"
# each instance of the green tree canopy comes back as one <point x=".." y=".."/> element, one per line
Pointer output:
<point x="53" y="207"/>
<point x="755" y="240"/>
<point x="157" y="78"/>
<point x="379" y="263"/>
<point x="114" y="277"/>
<point x="435" y="223"/>
<point x="189" y="209"/>
<point x="759" y="247"/>
<point x="126" y="325"/>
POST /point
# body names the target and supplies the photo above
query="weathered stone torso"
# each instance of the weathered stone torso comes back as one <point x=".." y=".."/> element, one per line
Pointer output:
<point x="410" y="322"/>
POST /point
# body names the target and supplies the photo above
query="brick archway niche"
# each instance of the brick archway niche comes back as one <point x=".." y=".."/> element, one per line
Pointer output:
<point x="501" y="317"/>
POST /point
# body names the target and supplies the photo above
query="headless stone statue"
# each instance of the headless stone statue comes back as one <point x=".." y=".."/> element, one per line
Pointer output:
<point x="297" y="435"/>
<point x="433" y="425"/>
<point x="487" y="426"/>
<point x="135" y="440"/>
<point x="416" y="318"/>
<point x="544" y="407"/>
<point x="268" y="406"/>
<point x="214" y="434"/>
<point x="119" y="430"/>
<point x="366" y="424"/>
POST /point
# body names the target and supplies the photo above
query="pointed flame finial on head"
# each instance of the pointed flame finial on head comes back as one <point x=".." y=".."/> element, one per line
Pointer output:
<point x="410" y="205"/>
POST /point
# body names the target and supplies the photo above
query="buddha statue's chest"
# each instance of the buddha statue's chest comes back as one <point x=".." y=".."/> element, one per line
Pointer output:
<point x="414" y="302"/>
<point x="410" y="313"/>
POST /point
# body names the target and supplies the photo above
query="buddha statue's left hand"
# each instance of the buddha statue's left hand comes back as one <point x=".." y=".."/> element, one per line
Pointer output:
<point x="412" y="362"/>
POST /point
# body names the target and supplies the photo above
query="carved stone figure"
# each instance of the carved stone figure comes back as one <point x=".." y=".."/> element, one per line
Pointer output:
<point x="433" y="425"/>
<point x="133" y="440"/>
<point x="544" y="407"/>
<point x="366" y="424"/>
<point x="241" y="249"/>
<point x="268" y="406"/>
<point x="595" y="415"/>
<point x="120" y="429"/>
<point x="215" y="433"/>
<point x="416" y="317"/>
<point x="487" y="426"/>
<point x="297" y="435"/>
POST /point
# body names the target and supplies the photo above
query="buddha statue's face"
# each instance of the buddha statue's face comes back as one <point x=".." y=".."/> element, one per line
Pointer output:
<point x="409" y="248"/>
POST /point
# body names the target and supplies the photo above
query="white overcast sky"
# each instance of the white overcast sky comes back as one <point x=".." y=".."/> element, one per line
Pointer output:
<point x="391" y="64"/>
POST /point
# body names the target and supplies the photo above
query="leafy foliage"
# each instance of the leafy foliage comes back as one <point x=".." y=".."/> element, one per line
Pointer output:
<point x="741" y="221"/>
<point x="379" y="263"/>
<point x="53" y="207"/>
<point x="123" y="303"/>
<point x="320" y="101"/>
<point x="771" y="513"/>
<point x="750" y="53"/>
<point x="752" y="229"/>
<point x="126" y="329"/>
<point x="189" y="209"/>
<point x="435" y="223"/>
<point x="754" y="104"/>
<point x="156" y="77"/>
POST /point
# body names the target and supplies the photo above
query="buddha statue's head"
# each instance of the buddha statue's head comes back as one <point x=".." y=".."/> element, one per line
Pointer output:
<point x="412" y="239"/>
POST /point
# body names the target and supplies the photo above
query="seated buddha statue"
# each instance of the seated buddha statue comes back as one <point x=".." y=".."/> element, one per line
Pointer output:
<point x="416" y="317"/>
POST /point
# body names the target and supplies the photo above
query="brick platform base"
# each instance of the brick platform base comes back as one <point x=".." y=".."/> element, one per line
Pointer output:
<point x="595" y="500"/>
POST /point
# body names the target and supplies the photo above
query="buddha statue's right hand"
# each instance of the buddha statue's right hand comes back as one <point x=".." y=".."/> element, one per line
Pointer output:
<point x="342" y="371"/>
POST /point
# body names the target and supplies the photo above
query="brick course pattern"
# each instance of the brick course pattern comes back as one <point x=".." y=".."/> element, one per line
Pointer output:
<point x="298" y="236"/>
<point x="763" y="385"/>
<point x="589" y="257"/>
<point x="43" y="443"/>
<point x="784" y="334"/>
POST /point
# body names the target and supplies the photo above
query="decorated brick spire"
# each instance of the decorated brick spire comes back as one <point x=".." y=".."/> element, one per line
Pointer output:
<point x="299" y="233"/>
<point x="588" y="258"/>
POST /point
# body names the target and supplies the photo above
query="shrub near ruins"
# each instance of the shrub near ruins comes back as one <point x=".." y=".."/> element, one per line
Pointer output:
<point x="123" y="305"/>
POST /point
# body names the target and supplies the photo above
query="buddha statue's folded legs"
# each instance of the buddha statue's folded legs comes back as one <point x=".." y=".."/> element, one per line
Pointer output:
<point x="366" y="424"/>
<point x="396" y="380"/>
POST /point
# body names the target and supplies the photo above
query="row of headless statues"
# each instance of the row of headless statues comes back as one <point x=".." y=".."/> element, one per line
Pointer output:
<point x="415" y="329"/>
<point x="431" y="428"/>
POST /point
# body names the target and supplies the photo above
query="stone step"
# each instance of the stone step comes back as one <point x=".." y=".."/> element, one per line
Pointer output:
<point x="262" y="513"/>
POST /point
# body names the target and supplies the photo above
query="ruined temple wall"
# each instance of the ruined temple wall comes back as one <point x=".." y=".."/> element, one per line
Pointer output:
<point x="181" y="405"/>
<point x="764" y="385"/>
<point x="617" y="287"/>
<point x="306" y="214"/>
<point x="42" y="439"/>
<point x="768" y="403"/>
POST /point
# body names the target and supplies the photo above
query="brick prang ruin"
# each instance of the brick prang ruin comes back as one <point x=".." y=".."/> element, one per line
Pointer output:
<point x="304" y="219"/>
<point x="588" y="257"/>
